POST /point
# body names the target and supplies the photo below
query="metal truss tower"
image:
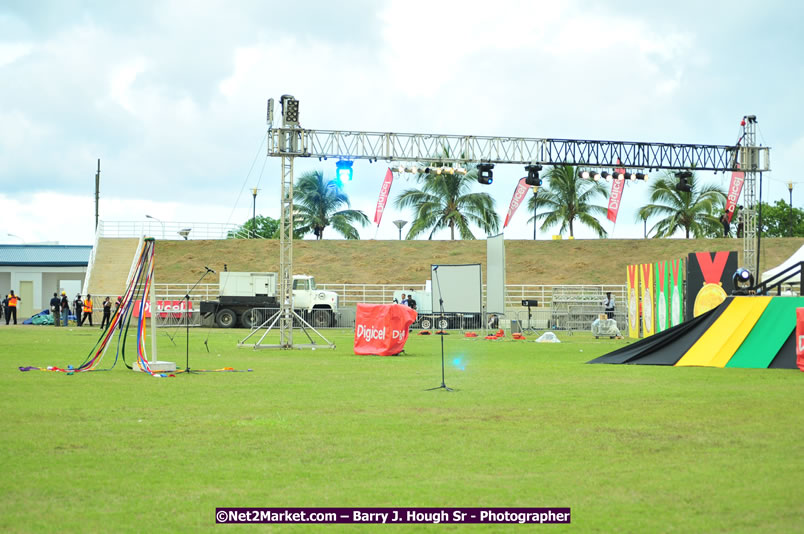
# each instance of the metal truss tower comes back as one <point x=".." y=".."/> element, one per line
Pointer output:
<point x="749" y="161"/>
<point x="291" y="141"/>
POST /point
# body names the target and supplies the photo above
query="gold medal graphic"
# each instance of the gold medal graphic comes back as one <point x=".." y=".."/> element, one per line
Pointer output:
<point x="709" y="297"/>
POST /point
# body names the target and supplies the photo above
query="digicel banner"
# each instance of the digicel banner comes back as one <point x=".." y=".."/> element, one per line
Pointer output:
<point x="383" y="198"/>
<point x="800" y="338"/>
<point x="382" y="329"/>
<point x="164" y="307"/>
<point x="616" y="195"/>
<point x="519" y="195"/>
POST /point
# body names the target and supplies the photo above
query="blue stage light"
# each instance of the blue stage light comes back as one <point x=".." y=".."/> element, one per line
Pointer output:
<point x="343" y="170"/>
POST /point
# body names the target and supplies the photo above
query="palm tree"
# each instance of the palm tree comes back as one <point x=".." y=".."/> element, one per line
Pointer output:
<point x="568" y="197"/>
<point x="315" y="204"/>
<point x="445" y="201"/>
<point x="695" y="211"/>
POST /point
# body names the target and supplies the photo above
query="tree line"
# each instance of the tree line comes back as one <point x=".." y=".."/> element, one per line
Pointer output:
<point x="442" y="201"/>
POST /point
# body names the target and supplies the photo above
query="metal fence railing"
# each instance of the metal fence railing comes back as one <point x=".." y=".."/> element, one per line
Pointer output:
<point x="564" y="307"/>
<point x="171" y="230"/>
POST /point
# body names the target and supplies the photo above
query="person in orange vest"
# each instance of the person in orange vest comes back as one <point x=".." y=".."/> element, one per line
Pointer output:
<point x="87" y="310"/>
<point x="11" y="306"/>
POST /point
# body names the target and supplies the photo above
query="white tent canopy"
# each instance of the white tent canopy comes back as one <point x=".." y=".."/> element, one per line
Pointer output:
<point x="796" y="258"/>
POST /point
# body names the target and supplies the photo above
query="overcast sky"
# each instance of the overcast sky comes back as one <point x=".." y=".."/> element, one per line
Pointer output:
<point x="171" y="95"/>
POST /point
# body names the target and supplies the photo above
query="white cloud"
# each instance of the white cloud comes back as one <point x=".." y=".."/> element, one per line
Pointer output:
<point x="11" y="52"/>
<point x="172" y="97"/>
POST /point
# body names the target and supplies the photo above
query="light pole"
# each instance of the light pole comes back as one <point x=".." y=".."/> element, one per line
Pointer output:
<point x="160" y="222"/>
<point x="790" y="188"/>
<point x="254" y="214"/>
<point x="399" y="224"/>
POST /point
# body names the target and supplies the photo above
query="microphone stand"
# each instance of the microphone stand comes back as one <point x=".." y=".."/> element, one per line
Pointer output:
<point x="441" y="305"/>
<point x="187" y="369"/>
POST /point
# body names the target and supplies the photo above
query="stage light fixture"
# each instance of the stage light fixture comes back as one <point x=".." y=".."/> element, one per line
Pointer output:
<point x="584" y="175"/>
<point x="606" y="176"/>
<point x="290" y="110"/>
<point x="533" y="175"/>
<point x="484" y="173"/>
<point x="343" y="170"/>
<point x="743" y="280"/>
<point x="683" y="185"/>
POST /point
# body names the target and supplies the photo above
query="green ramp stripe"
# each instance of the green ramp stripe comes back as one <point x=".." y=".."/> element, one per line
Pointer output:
<point x="768" y="334"/>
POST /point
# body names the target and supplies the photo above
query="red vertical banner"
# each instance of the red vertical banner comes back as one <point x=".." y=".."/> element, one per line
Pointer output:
<point x="617" y="187"/>
<point x="383" y="199"/>
<point x="519" y="195"/>
<point x="800" y="338"/>
<point x="735" y="187"/>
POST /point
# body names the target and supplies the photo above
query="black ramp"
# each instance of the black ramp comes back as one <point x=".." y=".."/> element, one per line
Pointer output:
<point x="668" y="346"/>
<point x="786" y="357"/>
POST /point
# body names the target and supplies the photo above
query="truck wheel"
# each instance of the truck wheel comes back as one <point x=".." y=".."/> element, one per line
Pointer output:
<point x="251" y="318"/>
<point x="426" y="323"/>
<point x="226" y="318"/>
<point x="322" y="318"/>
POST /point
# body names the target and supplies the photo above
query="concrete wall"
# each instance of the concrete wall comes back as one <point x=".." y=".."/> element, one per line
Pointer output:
<point x="45" y="283"/>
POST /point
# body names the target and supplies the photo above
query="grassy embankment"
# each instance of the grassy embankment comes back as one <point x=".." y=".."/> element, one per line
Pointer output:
<point x="597" y="261"/>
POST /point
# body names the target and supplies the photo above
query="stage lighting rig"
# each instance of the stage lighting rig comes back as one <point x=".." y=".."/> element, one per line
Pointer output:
<point x="290" y="110"/>
<point x="343" y="170"/>
<point x="743" y="281"/>
<point x="484" y="173"/>
<point x="533" y="175"/>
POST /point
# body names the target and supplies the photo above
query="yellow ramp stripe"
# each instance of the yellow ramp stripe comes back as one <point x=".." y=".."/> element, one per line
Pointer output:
<point x="721" y="340"/>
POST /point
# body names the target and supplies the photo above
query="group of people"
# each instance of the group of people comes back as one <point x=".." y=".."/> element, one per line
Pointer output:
<point x="10" y="306"/>
<point x="408" y="300"/>
<point x="724" y="220"/>
<point x="60" y="309"/>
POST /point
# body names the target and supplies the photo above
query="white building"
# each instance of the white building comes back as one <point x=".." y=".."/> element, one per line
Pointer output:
<point x="35" y="272"/>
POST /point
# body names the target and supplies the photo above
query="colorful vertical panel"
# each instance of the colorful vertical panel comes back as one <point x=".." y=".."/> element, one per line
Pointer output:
<point x="662" y="296"/>
<point x="646" y="282"/>
<point x="632" y="281"/>
<point x="676" y="289"/>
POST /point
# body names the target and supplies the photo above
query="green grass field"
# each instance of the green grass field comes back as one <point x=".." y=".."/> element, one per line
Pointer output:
<point x="628" y="448"/>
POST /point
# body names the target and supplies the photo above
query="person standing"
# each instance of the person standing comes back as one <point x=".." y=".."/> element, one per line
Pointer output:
<point x="65" y="308"/>
<point x="107" y="313"/>
<point x="411" y="300"/>
<point x="87" y="310"/>
<point x="608" y="304"/>
<point x="55" y="309"/>
<point x="404" y="300"/>
<point x="78" y="305"/>
<point x="11" y="306"/>
<point x="724" y="220"/>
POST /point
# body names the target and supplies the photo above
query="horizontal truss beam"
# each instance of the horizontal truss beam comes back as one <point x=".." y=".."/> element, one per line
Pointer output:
<point x="399" y="147"/>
